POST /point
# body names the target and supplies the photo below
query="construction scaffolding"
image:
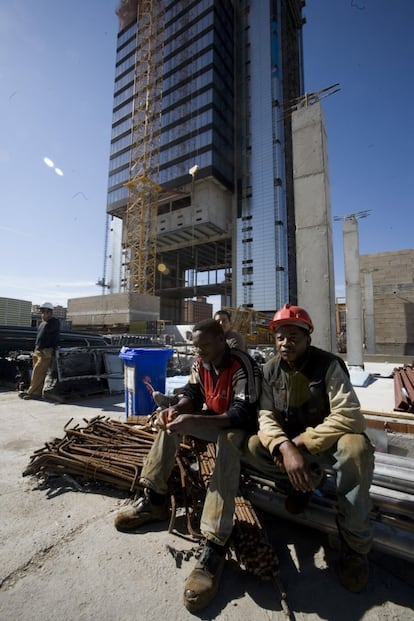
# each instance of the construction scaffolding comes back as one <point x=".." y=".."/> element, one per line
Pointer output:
<point x="141" y="212"/>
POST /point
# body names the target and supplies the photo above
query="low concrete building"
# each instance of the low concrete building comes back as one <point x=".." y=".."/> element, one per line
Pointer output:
<point x="387" y="285"/>
<point x="129" y="312"/>
<point x="15" y="312"/>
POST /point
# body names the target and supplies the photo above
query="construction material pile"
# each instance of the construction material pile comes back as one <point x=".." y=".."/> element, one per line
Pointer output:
<point x="404" y="388"/>
<point x="111" y="452"/>
<point x="104" y="450"/>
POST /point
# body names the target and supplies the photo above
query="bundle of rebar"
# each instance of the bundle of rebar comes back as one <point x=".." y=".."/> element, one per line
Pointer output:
<point x="104" y="450"/>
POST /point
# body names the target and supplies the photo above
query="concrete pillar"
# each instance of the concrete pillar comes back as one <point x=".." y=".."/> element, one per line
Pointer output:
<point x="314" y="247"/>
<point x="369" y="318"/>
<point x="354" y="344"/>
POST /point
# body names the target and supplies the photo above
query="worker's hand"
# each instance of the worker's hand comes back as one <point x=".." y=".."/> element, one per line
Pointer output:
<point x="278" y="461"/>
<point x="164" y="417"/>
<point x="296" y="467"/>
<point x="182" y="424"/>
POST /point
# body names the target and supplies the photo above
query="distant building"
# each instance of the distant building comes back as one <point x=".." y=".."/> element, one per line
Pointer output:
<point x="197" y="310"/>
<point x="15" y="312"/>
<point x="387" y="283"/>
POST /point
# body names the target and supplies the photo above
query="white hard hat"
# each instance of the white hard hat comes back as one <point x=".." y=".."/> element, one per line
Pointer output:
<point x="47" y="305"/>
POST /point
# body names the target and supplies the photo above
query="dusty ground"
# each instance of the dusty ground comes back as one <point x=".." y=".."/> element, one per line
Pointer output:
<point x="62" y="560"/>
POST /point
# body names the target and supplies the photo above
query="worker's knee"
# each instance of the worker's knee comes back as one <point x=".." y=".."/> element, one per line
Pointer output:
<point x="253" y="445"/>
<point x="234" y="437"/>
<point x="357" y="448"/>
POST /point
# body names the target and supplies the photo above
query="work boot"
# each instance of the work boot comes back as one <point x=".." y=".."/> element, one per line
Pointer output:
<point x="202" y="584"/>
<point x="164" y="401"/>
<point x="145" y="510"/>
<point x="26" y="396"/>
<point x="352" y="569"/>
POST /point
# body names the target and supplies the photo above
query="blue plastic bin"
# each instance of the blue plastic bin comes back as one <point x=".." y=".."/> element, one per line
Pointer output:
<point x="145" y="370"/>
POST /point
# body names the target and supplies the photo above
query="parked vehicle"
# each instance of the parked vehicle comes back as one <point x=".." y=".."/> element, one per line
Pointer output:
<point x="17" y="344"/>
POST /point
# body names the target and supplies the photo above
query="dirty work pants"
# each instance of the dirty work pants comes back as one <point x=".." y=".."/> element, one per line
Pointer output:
<point x="217" y="517"/>
<point x="352" y="458"/>
<point x="42" y="359"/>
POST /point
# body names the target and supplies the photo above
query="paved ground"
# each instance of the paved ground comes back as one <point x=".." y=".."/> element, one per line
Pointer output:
<point x="62" y="560"/>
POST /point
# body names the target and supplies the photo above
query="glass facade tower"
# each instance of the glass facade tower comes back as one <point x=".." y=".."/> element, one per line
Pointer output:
<point x="225" y="214"/>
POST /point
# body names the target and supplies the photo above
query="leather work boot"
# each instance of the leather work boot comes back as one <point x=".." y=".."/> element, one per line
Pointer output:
<point x="202" y="584"/>
<point x="26" y="396"/>
<point x="142" y="512"/>
<point x="352" y="569"/>
<point x="164" y="401"/>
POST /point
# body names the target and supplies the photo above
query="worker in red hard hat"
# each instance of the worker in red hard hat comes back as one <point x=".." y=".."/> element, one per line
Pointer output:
<point x="309" y="419"/>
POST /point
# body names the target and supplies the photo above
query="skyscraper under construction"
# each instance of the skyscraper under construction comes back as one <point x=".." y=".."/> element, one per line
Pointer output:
<point x="200" y="196"/>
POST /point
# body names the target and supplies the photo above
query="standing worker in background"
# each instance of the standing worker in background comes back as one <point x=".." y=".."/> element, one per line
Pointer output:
<point x="47" y="340"/>
<point x="234" y="339"/>
<point x="310" y="416"/>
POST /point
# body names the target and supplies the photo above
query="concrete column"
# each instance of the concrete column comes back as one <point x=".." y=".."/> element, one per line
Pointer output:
<point x="314" y="247"/>
<point x="369" y="313"/>
<point x="354" y="344"/>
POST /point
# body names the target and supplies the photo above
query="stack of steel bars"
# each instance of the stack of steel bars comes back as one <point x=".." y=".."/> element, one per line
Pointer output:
<point x="103" y="450"/>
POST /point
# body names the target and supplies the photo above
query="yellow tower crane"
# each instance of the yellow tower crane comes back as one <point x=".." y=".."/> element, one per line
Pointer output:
<point x="141" y="212"/>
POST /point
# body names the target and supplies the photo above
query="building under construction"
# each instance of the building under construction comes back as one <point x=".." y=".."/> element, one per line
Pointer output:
<point x="200" y="193"/>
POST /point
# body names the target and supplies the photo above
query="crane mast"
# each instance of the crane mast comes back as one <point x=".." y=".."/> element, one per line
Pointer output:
<point x="141" y="211"/>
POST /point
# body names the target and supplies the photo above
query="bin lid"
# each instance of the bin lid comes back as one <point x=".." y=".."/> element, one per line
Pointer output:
<point x="132" y="353"/>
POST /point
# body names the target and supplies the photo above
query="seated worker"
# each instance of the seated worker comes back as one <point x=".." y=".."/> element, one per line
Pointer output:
<point x="309" y="414"/>
<point x="234" y="340"/>
<point x="226" y="382"/>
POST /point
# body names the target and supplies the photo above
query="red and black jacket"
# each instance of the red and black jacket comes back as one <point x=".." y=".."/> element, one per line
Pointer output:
<point x="232" y="388"/>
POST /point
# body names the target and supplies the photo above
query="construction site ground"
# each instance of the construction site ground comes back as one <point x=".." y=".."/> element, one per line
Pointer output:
<point x="62" y="559"/>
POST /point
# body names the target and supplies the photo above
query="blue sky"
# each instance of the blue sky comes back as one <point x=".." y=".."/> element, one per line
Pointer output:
<point x="56" y="77"/>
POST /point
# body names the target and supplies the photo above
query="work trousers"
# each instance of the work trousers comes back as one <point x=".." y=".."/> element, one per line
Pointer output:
<point x="42" y="359"/>
<point x="352" y="458"/>
<point x="217" y="517"/>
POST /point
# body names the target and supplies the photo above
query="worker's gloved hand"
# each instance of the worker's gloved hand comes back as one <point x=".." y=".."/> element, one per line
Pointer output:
<point x="164" y="417"/>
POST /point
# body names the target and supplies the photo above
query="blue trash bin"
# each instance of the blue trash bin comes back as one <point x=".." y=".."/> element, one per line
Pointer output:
<point x="145" y="370"/>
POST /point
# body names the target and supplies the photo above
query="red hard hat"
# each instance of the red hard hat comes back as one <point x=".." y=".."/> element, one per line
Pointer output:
<point x="294" y="315"/>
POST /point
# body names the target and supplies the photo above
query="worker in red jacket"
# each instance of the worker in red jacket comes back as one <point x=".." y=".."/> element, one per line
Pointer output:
<point x="218" y="404"/>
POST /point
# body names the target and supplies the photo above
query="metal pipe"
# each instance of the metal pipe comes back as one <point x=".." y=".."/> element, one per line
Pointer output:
<point x="393" y="477"/>
<point x="396" y="460"/>
<point x="387" y="538"/>
<point x="385" y="500"/>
